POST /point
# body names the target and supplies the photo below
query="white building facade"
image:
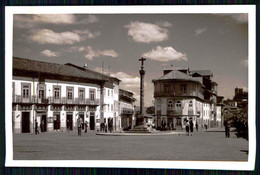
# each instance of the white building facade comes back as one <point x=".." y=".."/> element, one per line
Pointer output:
<point x="55" y="95"/>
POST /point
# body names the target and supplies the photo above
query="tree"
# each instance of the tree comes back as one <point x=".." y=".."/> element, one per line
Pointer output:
<point x="150" y="110"/>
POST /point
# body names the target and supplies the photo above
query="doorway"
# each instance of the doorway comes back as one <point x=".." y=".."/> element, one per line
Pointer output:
<point x="178" y="123"/>
<point x="92" y="121"/>
<point x="25" y="122"/>
<point x="56" y="121"/>
<point x="43" y="124"/>
<point x="69" y="122"/>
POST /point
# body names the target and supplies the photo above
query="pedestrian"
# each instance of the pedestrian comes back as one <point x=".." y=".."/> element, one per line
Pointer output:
<point x="227" y="128"/>
<point x="86" y="127"/>
<point x="197" y="126"/>
<point x="105" y="125"/>
<point x="163" y="125"/>
<point x="79" y="124"/>
<point x="110" y="126"/>
<point x="36" y="127"/>
<point x="205" y="126"/>
<point x="191" y="127"/>
<point x="187" y="128"/>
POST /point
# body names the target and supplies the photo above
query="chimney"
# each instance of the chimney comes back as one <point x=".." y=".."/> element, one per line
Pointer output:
<point x="85" y="66"/>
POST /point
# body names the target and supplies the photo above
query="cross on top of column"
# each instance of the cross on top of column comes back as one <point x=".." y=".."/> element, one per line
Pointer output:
<point x="142" y="62"/>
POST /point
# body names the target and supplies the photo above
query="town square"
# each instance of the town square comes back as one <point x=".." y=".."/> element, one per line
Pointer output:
<point x="131" y="87"/>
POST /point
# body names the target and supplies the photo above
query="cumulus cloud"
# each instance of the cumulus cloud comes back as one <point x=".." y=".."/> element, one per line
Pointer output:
<point x="164" y="54"/>
<point x="49" y="53"/>
<point x="199" y="31"/>
<point x="87" y="33"/>
<point x="244" y="62"/>
<point x="239" y="18"/>
<point x="146" y="32"/>
<point x="127" y="80"/>
<point x="91" y="53"/>
<point x="46" y="36"/>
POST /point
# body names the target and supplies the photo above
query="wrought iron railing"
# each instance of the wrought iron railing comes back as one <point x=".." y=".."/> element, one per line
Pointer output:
<point x="53" y="100"/>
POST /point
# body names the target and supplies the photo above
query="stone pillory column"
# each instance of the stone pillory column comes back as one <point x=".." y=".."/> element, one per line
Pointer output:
<point x="142" y="72"/>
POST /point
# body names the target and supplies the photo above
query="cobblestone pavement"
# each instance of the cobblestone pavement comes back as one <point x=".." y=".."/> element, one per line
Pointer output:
<point x="203" y="146"/>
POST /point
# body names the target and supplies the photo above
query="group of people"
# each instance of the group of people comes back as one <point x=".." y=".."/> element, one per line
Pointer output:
<point x="106" y="127"/>
<point x="36" y="127"/>
<point x="81" y="126"/>
<point x="189" y="127"/>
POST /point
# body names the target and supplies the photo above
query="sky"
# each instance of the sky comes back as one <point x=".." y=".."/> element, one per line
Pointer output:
<point x="217" y="42"/>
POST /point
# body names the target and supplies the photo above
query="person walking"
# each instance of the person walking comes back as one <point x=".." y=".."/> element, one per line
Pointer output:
<point x="197" y="126"/>
<point x="86" y="127"/>
<point x="187" y="128"/>
<point x="36" y="127"/>
<point x="79" y="124"/>
<point x="227" y="128"/>
<point x="191" y="127"/>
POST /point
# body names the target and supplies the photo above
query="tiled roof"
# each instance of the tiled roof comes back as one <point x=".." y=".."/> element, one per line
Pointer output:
<point x="202" y="72"/>
<point x="177" y="75"/>
<point x="97" y="73"/>
<point x="54" y="68"/>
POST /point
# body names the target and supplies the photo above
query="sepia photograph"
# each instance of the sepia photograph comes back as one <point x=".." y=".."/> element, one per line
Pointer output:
<point x="135" y="87"/>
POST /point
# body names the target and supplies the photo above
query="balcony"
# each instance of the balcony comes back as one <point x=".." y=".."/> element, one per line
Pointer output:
<point x="127" y="111"/>
<point x="30" y="99"/>
<point x="51" y="100"/>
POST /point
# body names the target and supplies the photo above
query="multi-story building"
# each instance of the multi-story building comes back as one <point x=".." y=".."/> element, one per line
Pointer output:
<point x="56" y="95"/>
<point x="126" y="108"/>
<point x="182" y="94"/>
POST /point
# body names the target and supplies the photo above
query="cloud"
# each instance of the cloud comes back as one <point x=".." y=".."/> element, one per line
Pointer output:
<point x="146" y="32"/>
<point x="199" y="31"/>
<point x="127" y="80"/>
<point x="164" y="24"/>
<point x="49" y="53"/>
<point x="244" y="62"/>
<point x="29" y="21"/>
<point x="91" y="53"/>
<point x="87" y="33"/>
<point x="164" y="54"/>
<point x="46" y="36"/>
<point x="52" y="19"/>
<point x="239" y="18"/>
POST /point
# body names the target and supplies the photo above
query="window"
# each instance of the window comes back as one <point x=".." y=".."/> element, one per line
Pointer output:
<point x="108" y="92"/>
<point x="183" y="88"/>
<point x="112" y="94"/>
<point x="112" y="107"/>
<point x="81" y="93"/>
<point x="26" y="90"/>
<point x="190" y="104"/>
<point x="170" y="105"/>
<point x="69" y="93"/>
<point x="41" y="91"/>
<point x="178" y="104"/>
<point x="92" y="94"/>
<point x="108" y="108"/>
<point x="166" y="88"/>
<point x="56" y="92"/>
